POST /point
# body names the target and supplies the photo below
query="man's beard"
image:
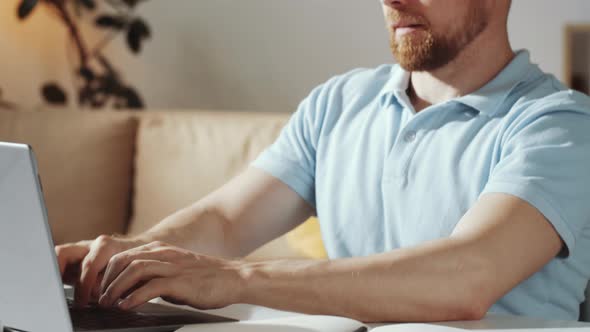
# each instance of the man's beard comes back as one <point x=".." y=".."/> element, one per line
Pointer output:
<point x="424" y="50"/>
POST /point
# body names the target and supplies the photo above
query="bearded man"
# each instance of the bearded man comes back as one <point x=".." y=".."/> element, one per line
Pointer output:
<point x="449" y="185"/>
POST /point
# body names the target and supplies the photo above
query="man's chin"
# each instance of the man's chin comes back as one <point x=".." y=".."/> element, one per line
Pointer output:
<point x="411" y="66"/>
<point x="412" y="60"/>
<point x="413" y="54"/>
<point x="420" y="62"/>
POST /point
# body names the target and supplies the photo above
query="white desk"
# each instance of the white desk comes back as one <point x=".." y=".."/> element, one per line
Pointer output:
<point x="491" y="321"/>
<point x="500" y="321"/>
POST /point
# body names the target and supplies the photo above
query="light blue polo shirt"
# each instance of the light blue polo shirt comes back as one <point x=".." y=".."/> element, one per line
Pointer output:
<point x="383" y="177"/>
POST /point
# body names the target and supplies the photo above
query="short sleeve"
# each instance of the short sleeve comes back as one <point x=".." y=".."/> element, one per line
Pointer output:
<point x="545" y="160"/>
<point x="292" y="157"/>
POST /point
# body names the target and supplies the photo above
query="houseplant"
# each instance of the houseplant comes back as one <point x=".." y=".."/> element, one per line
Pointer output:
<point x="97" y="82"/>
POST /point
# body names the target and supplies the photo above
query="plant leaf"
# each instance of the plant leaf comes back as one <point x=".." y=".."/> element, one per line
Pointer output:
<point x="86" y="73"/>
<point x="84" y="95"/>
<point x="133" y="41"/>
<point x="138" y="30"/>
<point x="98" y="100"/>
<point x="110" y="21"/>
<point x="90" y="4"/>
<point x="25" y="8"/>
<point x="109" y="84"/>
<point x="54" y="94"/>
<point x="131" y="3"/>
<point x="131" y="98"/>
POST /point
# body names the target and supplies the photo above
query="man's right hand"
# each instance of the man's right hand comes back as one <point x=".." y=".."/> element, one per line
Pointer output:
<point x="245" y="213"/>
<point x="82" y="264"/>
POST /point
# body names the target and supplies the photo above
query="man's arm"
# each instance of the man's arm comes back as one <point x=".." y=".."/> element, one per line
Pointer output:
<point x="245" y="213"/>
<point x="499" y="243"/>
<point x="248" y="211"/>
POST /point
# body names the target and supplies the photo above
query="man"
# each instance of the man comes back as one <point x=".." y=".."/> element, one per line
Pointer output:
<point x="453" y="184"/>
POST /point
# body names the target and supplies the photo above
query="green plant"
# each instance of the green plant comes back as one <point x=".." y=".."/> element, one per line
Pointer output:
<point x="97" y="82"/>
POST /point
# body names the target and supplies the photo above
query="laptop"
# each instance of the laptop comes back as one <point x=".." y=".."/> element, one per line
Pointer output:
<point x="32" y="296"/>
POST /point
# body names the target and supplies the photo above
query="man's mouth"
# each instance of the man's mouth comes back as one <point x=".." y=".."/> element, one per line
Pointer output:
<point x="402" y="29"/>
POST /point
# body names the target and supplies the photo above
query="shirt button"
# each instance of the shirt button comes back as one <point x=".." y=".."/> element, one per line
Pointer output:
<point x="410" y="136"/>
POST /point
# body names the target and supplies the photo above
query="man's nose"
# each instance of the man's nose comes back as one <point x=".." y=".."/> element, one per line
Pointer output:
<point x="397" y="4"/>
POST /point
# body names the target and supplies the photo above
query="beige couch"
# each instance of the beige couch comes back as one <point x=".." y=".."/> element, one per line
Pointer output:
<point x="122" y="172"/>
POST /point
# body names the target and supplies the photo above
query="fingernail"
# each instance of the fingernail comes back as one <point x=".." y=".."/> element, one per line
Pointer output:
<point x="123" y="304"/>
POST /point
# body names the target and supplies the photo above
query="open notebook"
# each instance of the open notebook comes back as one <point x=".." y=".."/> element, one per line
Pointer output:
<point x="262" y="319"/>
<point x="306" y="323"/>
<point x="337" y="324"/>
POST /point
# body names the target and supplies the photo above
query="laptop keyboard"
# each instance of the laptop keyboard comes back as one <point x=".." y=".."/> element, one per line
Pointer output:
<point x="93" y="317"/>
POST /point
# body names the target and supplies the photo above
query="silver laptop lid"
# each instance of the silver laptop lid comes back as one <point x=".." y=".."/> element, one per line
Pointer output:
<point x="31" y="291"/>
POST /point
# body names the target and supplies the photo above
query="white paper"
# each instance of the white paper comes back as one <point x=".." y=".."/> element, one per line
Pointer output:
<point x="440" y="328"/>
<point x="246" y="312"/>
<point x="288" y="324"/>
<point x="257" y="318"/>
<point x="242" y="312"/>
<point x="567" y="329"/>
<point x="416" y="328"/>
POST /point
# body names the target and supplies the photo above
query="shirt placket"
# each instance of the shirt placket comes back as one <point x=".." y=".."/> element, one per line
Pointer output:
<point x="399" y="158"/>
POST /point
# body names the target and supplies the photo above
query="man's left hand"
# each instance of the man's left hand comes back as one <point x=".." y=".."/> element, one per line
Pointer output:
<point x="139" y="275"/>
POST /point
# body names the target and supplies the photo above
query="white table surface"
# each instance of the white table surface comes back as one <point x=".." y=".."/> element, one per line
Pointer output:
<point x="244" y="312"/>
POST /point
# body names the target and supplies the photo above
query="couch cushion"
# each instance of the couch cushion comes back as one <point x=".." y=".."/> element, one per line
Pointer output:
<point x="85" y="164"/>
<point x="307" y="240"/>
<point x="181" y="157"/>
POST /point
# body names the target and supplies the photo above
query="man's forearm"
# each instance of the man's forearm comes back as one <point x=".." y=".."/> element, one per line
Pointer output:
<point x="236" y="219"/>
<point x="433" y="282"/>
<point x="198" y="228"/>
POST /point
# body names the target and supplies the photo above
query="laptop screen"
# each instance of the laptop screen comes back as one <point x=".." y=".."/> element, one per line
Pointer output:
<point x="31" y="291"/>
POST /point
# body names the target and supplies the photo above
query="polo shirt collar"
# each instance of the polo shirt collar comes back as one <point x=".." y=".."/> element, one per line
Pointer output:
<point x="396" y="86"/>
<point x="490" y="97"/>
<point x="487" y="99"/>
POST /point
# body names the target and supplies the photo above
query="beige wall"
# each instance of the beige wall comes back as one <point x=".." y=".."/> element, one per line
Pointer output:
<point x="539" y="26"/>
<point x="254" y="55"/>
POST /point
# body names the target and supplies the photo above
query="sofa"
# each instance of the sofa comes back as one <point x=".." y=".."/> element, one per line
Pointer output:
<point x="107" y="172"/>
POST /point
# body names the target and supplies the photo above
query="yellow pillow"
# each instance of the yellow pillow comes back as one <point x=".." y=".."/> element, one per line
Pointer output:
<point x="307" y="239"/>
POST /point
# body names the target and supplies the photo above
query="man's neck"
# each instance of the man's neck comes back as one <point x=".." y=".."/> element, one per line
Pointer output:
<point x="475" y="66"/>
